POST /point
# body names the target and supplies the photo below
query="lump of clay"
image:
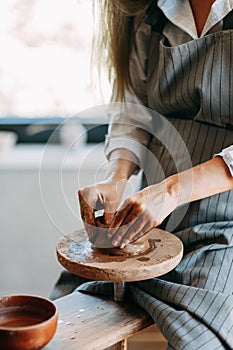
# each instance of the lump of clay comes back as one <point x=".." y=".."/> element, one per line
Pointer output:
<point x="104" y="245"/>
<point x="136" y="248"/>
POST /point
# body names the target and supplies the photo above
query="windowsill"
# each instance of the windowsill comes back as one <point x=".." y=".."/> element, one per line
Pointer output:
<point x="39" y="130"/>
<point x="52" y="157"/>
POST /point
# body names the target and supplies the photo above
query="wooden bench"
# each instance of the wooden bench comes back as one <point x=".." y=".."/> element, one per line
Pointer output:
<point x="88" y="322"/>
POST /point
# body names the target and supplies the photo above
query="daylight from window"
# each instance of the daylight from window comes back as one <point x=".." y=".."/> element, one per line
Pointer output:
<point x="45" y="65"/>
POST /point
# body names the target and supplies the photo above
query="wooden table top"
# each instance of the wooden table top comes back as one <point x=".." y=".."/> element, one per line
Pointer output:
<point x="88" y="322"/>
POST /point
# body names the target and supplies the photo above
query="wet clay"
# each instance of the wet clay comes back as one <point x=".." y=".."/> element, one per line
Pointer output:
<point x="103" y="244"/>
<point x="142" y="245"/>
<point x="85" y="252"/>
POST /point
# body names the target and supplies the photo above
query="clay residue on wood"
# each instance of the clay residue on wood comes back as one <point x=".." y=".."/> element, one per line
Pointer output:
<point x="85" y="251"/>
<point x="138" y="247"/>
<point x="75" y="253"/>
<point x="104" y="245"/>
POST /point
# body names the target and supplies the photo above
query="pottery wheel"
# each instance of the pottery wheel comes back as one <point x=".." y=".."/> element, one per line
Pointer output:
<point x="75" y="253"/>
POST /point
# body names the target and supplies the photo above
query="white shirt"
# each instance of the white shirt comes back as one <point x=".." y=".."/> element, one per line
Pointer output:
<point x="180" y="13"/>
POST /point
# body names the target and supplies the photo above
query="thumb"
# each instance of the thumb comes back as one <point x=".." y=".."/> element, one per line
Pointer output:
<point x="111" y="204"/>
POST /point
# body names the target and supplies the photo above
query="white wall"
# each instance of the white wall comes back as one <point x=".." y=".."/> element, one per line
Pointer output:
<point x="38" y="204"/>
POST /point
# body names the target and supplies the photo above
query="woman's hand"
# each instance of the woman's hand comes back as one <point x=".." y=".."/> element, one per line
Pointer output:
<point x="140" y="213"/>
<point x="149" y="207"/>
<point x="105" y="195"/>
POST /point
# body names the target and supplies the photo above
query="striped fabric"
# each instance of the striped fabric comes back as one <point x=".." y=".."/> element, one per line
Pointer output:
<point x="191" y="84"/>
<point x="181" y="84"/>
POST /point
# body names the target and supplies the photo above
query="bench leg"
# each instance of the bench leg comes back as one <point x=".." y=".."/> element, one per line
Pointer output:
<point x="119" y="292"/>
<point x="122" y="345"/>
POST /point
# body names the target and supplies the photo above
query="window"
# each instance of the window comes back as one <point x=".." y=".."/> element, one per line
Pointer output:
<point x="45" y="50"/>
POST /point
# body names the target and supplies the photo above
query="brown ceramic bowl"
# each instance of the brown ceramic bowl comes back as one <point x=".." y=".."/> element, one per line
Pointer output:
<point x="26" y="322"/>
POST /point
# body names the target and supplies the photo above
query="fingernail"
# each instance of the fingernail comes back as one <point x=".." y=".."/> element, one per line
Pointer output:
<point x="115" y="242"/>
<point x="122" y="245"/>
<point x="125" y="243"/>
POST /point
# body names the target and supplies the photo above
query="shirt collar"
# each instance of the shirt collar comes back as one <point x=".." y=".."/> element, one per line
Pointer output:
<point x="179" y="12"/>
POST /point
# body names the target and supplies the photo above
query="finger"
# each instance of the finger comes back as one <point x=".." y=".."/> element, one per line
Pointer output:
<point x="118" y="218"/>
<point x="133" y="238"/>
<point x="143" y="224"/>
<point x="113" y="197"/>
<point x="130" y="221"/>
<point x="133" y="231"/>
<point x="126" y="233"/>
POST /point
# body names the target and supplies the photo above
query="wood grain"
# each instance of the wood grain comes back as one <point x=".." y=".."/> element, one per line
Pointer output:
<point x="90" y="322"/>
<point x="148" y="339"/>
<point x="75" y="253"/>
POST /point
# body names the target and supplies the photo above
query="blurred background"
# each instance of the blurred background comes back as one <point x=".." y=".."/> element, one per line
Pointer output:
<point x="52" y="128"/>
<point x="45" y="58"/>
<point x="51" y="134"/>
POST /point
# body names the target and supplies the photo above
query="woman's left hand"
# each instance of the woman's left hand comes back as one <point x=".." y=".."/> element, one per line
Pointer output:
<point x="149" y="207"/>
<point x="140" y="213"/>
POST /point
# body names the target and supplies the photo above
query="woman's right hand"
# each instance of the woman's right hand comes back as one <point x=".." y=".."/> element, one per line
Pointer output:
<point x="106" y="196"/>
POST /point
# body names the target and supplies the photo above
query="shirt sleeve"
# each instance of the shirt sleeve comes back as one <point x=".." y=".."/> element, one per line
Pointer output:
<point x="129" y="121"/>
<point x="227" y="156"/>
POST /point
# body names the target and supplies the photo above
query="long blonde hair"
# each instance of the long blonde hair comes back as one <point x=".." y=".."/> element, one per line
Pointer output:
<point x="116" y="39"/>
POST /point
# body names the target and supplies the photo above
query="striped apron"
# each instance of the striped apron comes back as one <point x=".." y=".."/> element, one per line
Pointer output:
<point x="192" y="86"/>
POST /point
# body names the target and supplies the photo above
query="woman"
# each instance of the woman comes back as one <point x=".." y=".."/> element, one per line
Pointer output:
<point x="175" y="57"/>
